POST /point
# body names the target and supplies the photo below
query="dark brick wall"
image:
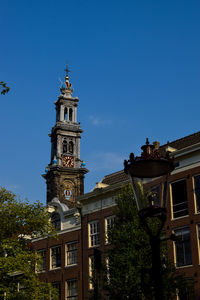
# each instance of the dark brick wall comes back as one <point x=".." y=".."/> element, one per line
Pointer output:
<point x="64" y="272"/>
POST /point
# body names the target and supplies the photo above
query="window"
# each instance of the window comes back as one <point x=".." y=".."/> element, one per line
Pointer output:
<point x="91" y="272"/>
<point x="179" y="199"/>
<point x="71" y="147"/>
<point x="55" y="257"/>
<point x="93" y="234"/>
<point x="197" y="192"/>
<point x="71" y="253"/>
<point x="42" y="266"/>
<point x="65" y="114"/>
<point x="183" y="255"/>
<point x="186" y="293"/>
<point x="55" y="220"/>
<point x="57" y="286"/>
<point x="64" y="146"/>
<point x="70" y="114"/>
<point x="108" y="269"/>
<point x="72" y="290"/>
<point x="198" y="228"/>
<point x="109" y="224"/>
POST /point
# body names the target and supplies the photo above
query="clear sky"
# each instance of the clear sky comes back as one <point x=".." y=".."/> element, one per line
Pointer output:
<point x="135" y="68"/>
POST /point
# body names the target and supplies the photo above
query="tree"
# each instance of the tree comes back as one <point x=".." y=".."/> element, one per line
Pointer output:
<point x="128" y="273"/>
<point x="19" y="223"/>
<point x="4" y="88"/>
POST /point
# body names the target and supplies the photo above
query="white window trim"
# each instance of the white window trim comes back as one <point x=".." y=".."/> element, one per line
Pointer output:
<point x="66" y="287"/>
<point x="106" y="227"/>
<point x="66" y="251"/>
<point x="171" y="199"/>
<point x="90" y="272"/>
<point x="174" y="250"/>
<point x="51" y="268"/>
<point x="194" y="194"/>
<point x="198" y="240"/>
<point x="89" y="235"/>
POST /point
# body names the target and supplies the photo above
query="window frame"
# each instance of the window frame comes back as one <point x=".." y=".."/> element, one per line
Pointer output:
<point x="44" y="262"/>
<point x="71" y="297"/>
<point x="91" y="271"/>
<point x="57" y="285"/>
<point x="51" y="257"/>
<point x="171" y="200"/>
<point x="197" y="210"/>
<point x="198" y="240"/>
<point x="74" y="254"/>
<point x="112" y="218"/>
<point x="182" y="242"/>
<point x="93" y="237"/>
<point x="56" y="222"/>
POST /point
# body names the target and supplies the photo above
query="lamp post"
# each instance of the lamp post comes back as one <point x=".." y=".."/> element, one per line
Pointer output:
<point x="146" y="171"/>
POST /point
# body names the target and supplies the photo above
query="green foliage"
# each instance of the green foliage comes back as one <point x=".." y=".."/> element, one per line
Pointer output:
<point x="20" y="222"/>
<point x="4" y="88"/>
<point x="129" y="272"/>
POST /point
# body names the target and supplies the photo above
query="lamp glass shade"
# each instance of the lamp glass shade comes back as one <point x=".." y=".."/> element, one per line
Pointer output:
<point x="150" y="191"/>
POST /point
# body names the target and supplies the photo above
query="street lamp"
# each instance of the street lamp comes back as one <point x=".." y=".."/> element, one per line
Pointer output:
<point x="149" y="175"/>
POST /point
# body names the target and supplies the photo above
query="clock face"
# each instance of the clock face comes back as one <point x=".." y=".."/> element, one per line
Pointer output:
<point x="68" y="161"/>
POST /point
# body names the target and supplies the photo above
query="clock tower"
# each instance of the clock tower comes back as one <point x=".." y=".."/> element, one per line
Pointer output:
<point x="65" y="173"/>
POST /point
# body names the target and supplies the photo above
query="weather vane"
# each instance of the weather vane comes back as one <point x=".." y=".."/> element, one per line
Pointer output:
<point x="67" y="69"/>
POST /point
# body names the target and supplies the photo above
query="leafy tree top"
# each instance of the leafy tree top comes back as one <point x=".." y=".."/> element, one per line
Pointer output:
<point x="21" y="221"/>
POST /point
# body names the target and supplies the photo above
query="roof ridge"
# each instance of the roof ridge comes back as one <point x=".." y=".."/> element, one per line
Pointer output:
<point x="114" y="173"/>
<point x="183" y="138"/>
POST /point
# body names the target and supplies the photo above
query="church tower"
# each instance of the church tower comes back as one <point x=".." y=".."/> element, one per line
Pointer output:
<point x="65" y="173"/>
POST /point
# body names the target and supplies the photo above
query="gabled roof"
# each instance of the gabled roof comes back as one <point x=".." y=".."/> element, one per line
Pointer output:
<point x="115" y="178"/>
<point x="184" y="142"/>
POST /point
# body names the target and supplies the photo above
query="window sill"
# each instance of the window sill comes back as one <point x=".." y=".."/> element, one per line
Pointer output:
<point x="69" y="266"/>
<point x="54" y="269"/>
<point x="96" y="246"/>
<point x="178" y="218"/>
<point x="107" y="243"/>
<point x="186" y="266"/>
<point x="41" y="272"/>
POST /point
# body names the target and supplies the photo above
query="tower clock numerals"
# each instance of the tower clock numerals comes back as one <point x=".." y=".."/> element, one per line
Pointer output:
<point x="68" y="161"/>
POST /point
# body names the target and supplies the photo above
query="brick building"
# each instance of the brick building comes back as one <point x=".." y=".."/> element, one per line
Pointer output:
<point x="82" y="220"/>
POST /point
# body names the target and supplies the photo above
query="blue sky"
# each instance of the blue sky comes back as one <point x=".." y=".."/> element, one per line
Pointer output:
<point x="135" y="68"/>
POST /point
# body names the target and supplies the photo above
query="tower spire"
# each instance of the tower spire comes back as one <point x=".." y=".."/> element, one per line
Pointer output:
<point x="66" y="88"/>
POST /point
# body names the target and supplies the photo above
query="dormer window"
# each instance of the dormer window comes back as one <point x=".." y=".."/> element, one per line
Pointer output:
<point x="71" y="147"/>
<point x="55" y="220"/>
<point x="66" y="114"/>
<point x="64" y="146"/>
<point x="70" y="114"/>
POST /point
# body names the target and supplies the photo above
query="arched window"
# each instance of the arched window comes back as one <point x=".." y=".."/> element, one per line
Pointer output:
<point x="55" y="220"/>
<point x="64" y="146"/>
<point x="70" y="114"/>
<point x="65" y="114"/>
<point x="71" y="147"/>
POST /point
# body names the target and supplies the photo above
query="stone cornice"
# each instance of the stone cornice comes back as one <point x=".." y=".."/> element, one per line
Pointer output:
<point x="66" y="127"/>
<point x="63" y="170"/>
